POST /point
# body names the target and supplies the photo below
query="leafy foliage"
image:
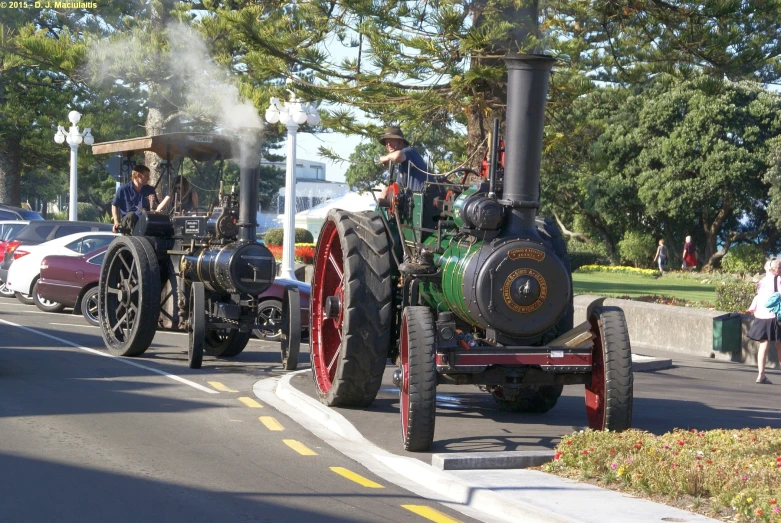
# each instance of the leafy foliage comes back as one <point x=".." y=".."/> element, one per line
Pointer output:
<point x="735" y="296"/>
<point x="637" y="248"/>
<point x="275" y="236"/>
<point x="746" y="258"/>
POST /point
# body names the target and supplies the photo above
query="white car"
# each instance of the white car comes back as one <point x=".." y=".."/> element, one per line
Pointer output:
<point x="26" y="268"/>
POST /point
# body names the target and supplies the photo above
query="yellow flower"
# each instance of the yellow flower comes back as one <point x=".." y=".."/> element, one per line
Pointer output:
<point x="749" y="500"/>
<point x="621" y="470"/>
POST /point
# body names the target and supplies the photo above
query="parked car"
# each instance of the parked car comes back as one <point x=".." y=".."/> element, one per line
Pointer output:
<point x="40" y="231"/>
<point x="270" y="309"/>
<point x="73" y="282"/>
<point x="9" y="212"/>
<point x="8" y="230"/>
<point x="23" y="276"/>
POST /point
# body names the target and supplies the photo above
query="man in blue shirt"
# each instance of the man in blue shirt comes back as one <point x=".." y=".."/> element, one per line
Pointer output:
<point x="412" y="167"/>
<point x="136" y="195"/>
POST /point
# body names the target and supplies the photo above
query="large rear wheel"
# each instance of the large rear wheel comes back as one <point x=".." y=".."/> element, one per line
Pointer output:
<point x="129" y="299"/>
<point x="350" y="308"/>
<point x="291" y="328"/>
<point x="609" y="395"/>
<point x="418" y="379"/>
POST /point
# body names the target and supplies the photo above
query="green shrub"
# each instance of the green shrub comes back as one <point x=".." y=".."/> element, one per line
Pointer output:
<point x="89" y="212"/>
<point x="274" y="236"/>
<point x="735" y="296"/>
<point x="580" y="258"/>
<point x="637" y="248"/>
<point x="745" y="258"/>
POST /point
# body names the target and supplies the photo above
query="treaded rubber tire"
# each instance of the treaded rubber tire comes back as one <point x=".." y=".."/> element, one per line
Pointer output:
<point x="418" y="393"/>
<point x="5" y="292"/>
<point x="196" y="326"/>
<point x="145" y="326"/>
<point x="536" y="399"/>
<point x="290" y="344"/>
<point x="612" y="339"/>
<point x="89" y="295"/>
<point x="57" y="307"/>
<point x="231" y="346"/>
<point x="23" y="298"/>
<point x="366" y="310"/>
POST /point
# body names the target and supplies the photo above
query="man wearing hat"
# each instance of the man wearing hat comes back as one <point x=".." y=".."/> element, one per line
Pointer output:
<point x="412" y="167"/>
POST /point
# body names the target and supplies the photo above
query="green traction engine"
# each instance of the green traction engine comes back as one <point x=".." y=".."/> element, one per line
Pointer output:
<point x="462" y="283"/>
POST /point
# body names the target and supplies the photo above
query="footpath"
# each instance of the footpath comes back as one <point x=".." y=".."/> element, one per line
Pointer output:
<point x="468" y="423"/>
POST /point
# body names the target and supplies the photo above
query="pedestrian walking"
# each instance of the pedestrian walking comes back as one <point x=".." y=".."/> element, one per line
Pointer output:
<point x="689" y="255"/>
<point x="661" y="255"/>
<point x="764" y="327"/>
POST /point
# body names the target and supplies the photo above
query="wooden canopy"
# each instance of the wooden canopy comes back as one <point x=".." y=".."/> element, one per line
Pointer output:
<point x="198" y="146"/>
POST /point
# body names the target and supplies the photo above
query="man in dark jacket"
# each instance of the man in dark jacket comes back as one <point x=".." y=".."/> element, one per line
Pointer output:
<point x="136" y="195"/>
<point x="412" y="167"/>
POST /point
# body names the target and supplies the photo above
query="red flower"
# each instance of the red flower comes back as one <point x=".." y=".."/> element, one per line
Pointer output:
<point x="681" y="443"/>
<point x="620" y="436"/>
<point x="693" y="431"/>
<point x="569" y="442"/>
<point x="585" y="452"/>
<point x="557" y="455"/>
<point x="759" y="512"/>
<point x="772" y="501"/>
<point x="612" y="451"/>
<point x="636" y="446"/>
<point x="708" y="462"/>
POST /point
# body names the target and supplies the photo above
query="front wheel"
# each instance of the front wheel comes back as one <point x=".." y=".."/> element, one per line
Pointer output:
<point x="24" y="298"/>
<point x="609" y="395"/>
<point x="89" y="306"/>
<point x="226" y="343"/>
<point x="44" y="304"/>
<point x="270" y="320"/>
<point x="5" y="292"/>
<point x="418" y="386"/>
<point x="196" y="326"/>
<point x="291" y="328"/>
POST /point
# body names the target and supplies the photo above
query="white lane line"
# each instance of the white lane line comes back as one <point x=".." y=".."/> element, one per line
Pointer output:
<point x="75" y="325"/>
<point x="121" y="360"/>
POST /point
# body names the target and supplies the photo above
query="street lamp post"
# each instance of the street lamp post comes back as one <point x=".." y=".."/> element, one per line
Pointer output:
<point x="74" y="139"/>
<point x="292" y="114"/>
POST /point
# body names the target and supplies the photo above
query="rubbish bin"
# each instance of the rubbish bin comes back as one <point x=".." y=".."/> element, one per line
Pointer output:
<point x="726" y="332"/>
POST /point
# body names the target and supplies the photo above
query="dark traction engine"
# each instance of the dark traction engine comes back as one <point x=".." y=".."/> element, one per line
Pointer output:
<point x="462" y="283"/>
<point x="200" y="272"/>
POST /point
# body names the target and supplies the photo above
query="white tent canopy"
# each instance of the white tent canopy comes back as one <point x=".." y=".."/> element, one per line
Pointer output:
<point x="313" y="219"/>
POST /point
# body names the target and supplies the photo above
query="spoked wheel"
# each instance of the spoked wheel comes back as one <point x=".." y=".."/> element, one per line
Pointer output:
<point x="417" y="379"/>
<point x="89" y="306"/>
<point x="44" y="304"/>
<point x="270" y="319"/>
<point x="5" y="292"/>
<point x="291" y="328"/>
<point x="350" y="308"/>
<point x="196" y="326"/>
<point x="24" y="298"/>
<point x="535" y="399"/>
<point x="129" y="298"/>
<point x="609" y="395"/>
<point x="226" y="343"/>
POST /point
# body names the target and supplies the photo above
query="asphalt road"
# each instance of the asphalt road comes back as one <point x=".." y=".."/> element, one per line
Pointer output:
<point x="696" y="393"/>
<point x="84" y="437"/>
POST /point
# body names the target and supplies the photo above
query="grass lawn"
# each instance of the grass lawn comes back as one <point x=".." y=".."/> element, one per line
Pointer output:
<point x="606" y="284"/>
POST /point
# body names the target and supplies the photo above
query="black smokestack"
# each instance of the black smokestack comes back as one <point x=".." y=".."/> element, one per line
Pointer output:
<point x="527" y="90"/>
<point x="249" y="169"/>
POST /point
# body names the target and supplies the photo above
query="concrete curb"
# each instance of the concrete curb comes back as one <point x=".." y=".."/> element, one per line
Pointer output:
<point x="491" y="460"/>
<point x="641" y="363"/>
<point x="478" y="499"/>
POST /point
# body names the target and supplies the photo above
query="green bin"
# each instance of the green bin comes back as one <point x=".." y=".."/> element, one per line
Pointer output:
<point x="726" y="332"/>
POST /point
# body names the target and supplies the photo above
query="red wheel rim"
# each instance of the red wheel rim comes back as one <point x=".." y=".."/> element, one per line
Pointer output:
<point x="404" y="387"/>
<point x="326" y="335"/>
<point x="595" y="391"/>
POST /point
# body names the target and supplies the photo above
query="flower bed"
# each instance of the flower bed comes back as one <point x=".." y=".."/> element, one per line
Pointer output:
<point x="726" y="474"/>
<point x="302" y="252"/>
<point x="619" y="269"/>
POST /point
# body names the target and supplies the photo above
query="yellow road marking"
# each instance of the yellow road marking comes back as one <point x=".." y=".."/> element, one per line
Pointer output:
<point x="271" y="423"/>
<point x="249" y="402"/>
<point x="352" y="476"/>
<point x="219" y="386"/>
<point x="299" y="447"/>
<point x="430" y="513"/>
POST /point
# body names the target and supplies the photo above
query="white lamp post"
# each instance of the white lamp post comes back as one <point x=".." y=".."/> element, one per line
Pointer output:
<point x="292" y="114"/>
<point x="74" y="139"/>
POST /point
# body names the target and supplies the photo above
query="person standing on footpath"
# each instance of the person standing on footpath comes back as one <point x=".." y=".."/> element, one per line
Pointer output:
<point x="764" y="327"/>
<point x="689" y="255"/>
<point x="661" y="255"/>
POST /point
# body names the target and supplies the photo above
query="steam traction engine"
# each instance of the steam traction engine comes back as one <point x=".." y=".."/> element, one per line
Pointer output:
<point x="199" y="271"/>
<point x="464" y="284"/>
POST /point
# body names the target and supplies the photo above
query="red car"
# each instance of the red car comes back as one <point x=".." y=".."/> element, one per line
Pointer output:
<point x="73" y="282"/>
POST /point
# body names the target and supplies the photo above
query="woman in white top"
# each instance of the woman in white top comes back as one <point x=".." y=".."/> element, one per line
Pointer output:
<point x="764" y="328"/>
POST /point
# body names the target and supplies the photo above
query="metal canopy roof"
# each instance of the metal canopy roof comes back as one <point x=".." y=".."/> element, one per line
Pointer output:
<point x="198" y="146"/>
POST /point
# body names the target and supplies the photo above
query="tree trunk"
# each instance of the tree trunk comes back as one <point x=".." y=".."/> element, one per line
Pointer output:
<point x="11" y="171"/>
<point x="154" y="127"/>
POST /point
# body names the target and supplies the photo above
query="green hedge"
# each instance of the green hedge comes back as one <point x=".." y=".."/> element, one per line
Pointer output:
<point x="274" y="236"/>
<point x="578" y="259"/>
<point x="746" y="258"/>
<point x="735" y="296"/>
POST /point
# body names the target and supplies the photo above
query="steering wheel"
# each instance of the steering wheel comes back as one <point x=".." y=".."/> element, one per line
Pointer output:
<point x="466" y="172"/>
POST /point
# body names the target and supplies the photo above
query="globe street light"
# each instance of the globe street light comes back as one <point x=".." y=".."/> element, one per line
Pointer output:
<point x="292" y="114"/>
<point x="74" y="139"/>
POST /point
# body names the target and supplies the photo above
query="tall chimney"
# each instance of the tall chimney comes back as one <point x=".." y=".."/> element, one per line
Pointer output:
<point x="527" y="90"/>
<point x="249" y="168"/>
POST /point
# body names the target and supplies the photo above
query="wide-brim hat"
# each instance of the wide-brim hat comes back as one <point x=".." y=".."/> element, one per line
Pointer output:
<point x="393" y="132"/>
